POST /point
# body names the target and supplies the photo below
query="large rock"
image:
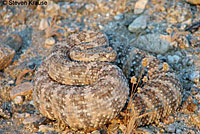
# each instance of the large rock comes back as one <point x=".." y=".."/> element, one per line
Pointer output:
<point x="152" y="43"/>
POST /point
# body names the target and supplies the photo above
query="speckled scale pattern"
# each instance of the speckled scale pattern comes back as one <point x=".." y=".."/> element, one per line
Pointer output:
<point x="87" y="100"/>
<point x="64" y="92"/>
<point x="159" y="96"/>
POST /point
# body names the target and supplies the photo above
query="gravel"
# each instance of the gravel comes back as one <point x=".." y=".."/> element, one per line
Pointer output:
<point x="128" y="23"/>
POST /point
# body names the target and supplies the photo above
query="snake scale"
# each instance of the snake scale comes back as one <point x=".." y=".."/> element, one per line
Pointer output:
<point x="78" y="85"/>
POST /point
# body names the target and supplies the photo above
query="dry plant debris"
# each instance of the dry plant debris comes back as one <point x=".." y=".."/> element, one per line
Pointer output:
<point x="177" y="22"/>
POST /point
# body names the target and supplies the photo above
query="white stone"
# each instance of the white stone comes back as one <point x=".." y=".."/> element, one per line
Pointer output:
<point x="50" y="41"/>
<point x="31" y="103"/>
<point x="140" y="6"/>
<point x="95" y="132"/>
<point x="152" y="43"/>
<point x="43" y="24"/>
<point x="138" y="24"/>
<point x="18" y="100"/>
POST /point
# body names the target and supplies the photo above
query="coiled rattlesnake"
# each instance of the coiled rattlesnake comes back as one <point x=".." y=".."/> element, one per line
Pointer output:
<point x="159" y="95"/>
<point x="95" y="91"/>
<point x="78" y="86"/>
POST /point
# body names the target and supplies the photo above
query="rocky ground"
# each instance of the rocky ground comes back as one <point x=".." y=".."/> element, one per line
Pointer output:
<point x="168" y="29"/>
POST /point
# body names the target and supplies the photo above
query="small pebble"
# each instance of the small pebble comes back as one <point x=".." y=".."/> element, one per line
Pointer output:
<point x="95" y="132"/>
<point x="192" y="107"/>
<point x="31" y="102"/>
<point x="119" y="17"/>
<point x="197" y="96"/>
<point x="19" y="100"/>
<point x="122" y="127"/>
<point x="49" y="42"/>
<point x="145" y="131"/>
<point x="31" y="119"/>
<point x="140" y="6"/>
<point x="171" y="128"/>
<point x="191" y="132"/>
<point x="162" y="130"/>
<point x="140" y="23"/>
<point x="23" y="89"/>
<point x="45" y="128"/>
<point x="195" y="76"/>
<point x="66" y="5"/>
<point x="53" y="9"/>
<point x="7" y="17"/>
<point x="63" y="10"/>
<point x="90" y="7"/>
<point x="71" y="30"/>
<point x="11" y="82"/>
<point x="22" y="115"/>
<point x="4" y="113"/>
<point x="190" y="99"/>
<point x="100" y="1"/>
<point x="178" y="131"/>
<point x="101" y="27"/>
<point x="80" y="132"/>
<point x="169" y="120"/>
<point x="43" y="24"/>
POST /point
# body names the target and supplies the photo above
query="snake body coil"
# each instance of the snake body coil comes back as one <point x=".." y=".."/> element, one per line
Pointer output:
<point x="77" y="85"/>
<point x="159" y="95"/>
<point x="79" y="93"/>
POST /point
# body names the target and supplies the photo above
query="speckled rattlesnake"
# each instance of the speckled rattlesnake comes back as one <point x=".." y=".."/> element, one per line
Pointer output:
<point x="95" y="92"/>
<point x="159" y="95"/>
<point x="85" y="93"/>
